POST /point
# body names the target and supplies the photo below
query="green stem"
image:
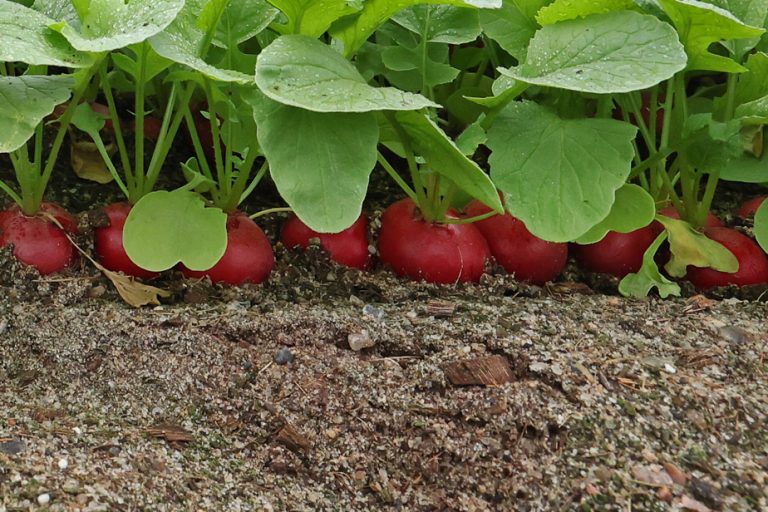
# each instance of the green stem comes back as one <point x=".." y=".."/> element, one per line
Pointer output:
<point x="418" y="184"/>
<point x="469" y="220"/>
<point x="269" y="211"/>
<point x="121" y="148"/>
<point x="255" y="181"/>
<point x="141" y="57"/>
<point x="108" y="162"/>
<point x="398" y="179"/>
<point x="730" y="96"/>
<point x="12" y="193"/>
<point x="709" y="195"/>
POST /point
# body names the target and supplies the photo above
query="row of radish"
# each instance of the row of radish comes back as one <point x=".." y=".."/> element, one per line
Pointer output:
<point x="407" y="244"/>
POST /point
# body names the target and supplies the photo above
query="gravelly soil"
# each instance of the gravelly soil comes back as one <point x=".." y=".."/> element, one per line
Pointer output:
<point x="607" y="403"/>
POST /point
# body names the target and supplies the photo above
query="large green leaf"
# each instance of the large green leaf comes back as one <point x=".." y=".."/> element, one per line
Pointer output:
<point x="603" y="53"/>
<point x="25" y="37"/>
<point x="166" y="228"/>
<point x="446" y="159"/>
<point x="746" y="169"/>
<point x="24" y="102"/>
<point x="441" y="23"/>
<point x="303" y="72"/>
<point x="648" y="277"/>
<point x="181" y="42"/>
<point x="320" y="162"/>
<point x="242" y="20"/>
<point x="761" y="225"/>
<point x="560" y="175"/>
<point x="112" y="24"/>
<point x="312" y="17"/>
<point x="751" y="12"/>
<point x="510" y="27"/>
<point x="632" y="209"/>
<point x="700" y="25"/>
<point x="561" y="10"/>
<point x="690" y="247"/>
<point x="353" y="31"/>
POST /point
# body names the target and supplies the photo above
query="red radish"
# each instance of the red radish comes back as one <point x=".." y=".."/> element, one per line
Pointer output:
<point x="711" y="222"/>
<point x="248" y="258"/>
<point x="753" y="263"/>
<point x="617" y="254"/>
<point x="749" y="208"/>
<point x="437" y="253"/>
<point x="349" y="247"/>
<point x="108" y="243"/>
<point x="152" y="127"/>
<point x="526" y="256"/>
<point x="36" y="240"/>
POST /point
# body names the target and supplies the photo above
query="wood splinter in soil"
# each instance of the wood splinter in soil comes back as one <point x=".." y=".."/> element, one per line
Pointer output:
<point x="483" y="371"/>
<point x="289" y="437"/>
<point x="174" y="434"/>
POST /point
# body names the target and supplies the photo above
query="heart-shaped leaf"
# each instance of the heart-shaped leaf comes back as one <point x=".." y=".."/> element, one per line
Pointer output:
<point x="166" y="228"/>
<point x="632" y="209"/>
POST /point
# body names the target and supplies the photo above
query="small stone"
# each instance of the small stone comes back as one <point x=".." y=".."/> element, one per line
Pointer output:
<point x="664" y="494"/>
<point x="3" y="326"/>
<point x="63" y="464"/>
<point x="360" y="340"/>
<point x="733" y="334"/>
<point x="71" y="487"/>
<point x="373" y="311"/>
<point x="44" y="499"/>
<point x="675" y="473"/>
<point x="12" y="447"/>
<point x="284" y="356"/>
<point x="669" y="368"/>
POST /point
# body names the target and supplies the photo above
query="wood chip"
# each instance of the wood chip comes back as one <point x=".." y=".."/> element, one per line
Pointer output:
<point x="171" y="432"/>
<point x="696" y="304"/>
<point x="440" y="308"/>
<point x="289" y="437"/>
<point x="486" y="371"/>
<point x="677" y="475"/>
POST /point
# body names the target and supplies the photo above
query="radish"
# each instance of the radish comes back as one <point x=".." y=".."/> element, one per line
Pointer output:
<point x="711" y="222"/>
<point x="248" y="258"/>
<point x="349" y="247"/>
<point x="526" y="256"/>
<point x="36" y="240"/>
<point x="617" y="254"/>
<point x="749" y="208"/>
<point x="430" y="251"/>
<point x="753" y="263"/>
<point x="108" y="243"/>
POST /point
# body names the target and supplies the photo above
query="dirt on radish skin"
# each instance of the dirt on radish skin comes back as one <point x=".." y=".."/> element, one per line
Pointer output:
<point x="36" y="240"/>
<point x="248" y="259"/>
<point x="526" y="256"/>
<point x="436" y="253"/>
<point x="108" y="243"/>
<point x="349" y="247"/>
<point x="753" y="263"/>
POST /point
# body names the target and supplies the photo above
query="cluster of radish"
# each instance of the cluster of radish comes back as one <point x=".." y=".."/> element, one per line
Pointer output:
<point x="408" y="244"/>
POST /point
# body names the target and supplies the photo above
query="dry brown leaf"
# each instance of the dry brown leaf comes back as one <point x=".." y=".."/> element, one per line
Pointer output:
<point x="132" y="291"/>
<point x="87" y="162"/>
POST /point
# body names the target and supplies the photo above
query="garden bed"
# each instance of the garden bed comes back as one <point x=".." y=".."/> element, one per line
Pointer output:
<point x="186" y="406"/>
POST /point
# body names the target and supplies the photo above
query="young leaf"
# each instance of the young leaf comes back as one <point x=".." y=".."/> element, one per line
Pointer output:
<point x="242" y="20"/>
<point x="761" y="226"/>
<point x="353" y="31"/>
<point x="113" y="24"/>
<point x="511" y="27"/>
<point x="446" y="159"/>
<point x="603" y="53"/>
<point x="632" y="209"/>
<point x="302" y="72"/>
<point x="561" y="10"/>
<point x="322" y="168"/>
<point x="24" y="102"/>
<point x="641" y="283"/>
<point x="167" y="228"/>
<point x="440" y="23"/>
<point x="690" y="247"/>
<point x="312" y="17"/>
<point x="560" y="175"/>
<point x="25" y="37"/>
<point x="181" y="42"/>
<point x="700" y="25"/>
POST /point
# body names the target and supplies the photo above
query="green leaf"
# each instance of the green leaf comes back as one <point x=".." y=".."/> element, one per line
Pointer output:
<point x="751" y="12"/>
<point x="242" y="20"/>
<point x="632" y="209"/>
<point x="181" y="42"/>
<point x="446" y="159"/>
<point x="24" y="103"/>
<point x="561" y="10"/>
<point x="690" y="247"/>
<point x="746" y="168"/>
<point x="25" y="37"/>
<point x="313" y="17"/>
<point x="560" y="175"/>
<point x="699" y="26"/>
<point x="441" y="23"/>
<point x="154" y="64"/>
<point x="302" y="72"/>
<point x="426" y="71"/>
<point x="761" y="225"/>
<point x="648" y="277"/>
<point x="113" y="24"/>
<point x="353" y="31"/>
<point x="714" y="143"/>
<point x="166" y="228"/>
<point x="320" y="162"/>
<point x="603" y="53"/>
<point x="510" y="27"/>
<point x="87" y="120"/>
<point x="471" y="138"/>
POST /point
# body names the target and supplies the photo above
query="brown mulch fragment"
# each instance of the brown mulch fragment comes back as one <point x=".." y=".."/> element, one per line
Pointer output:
<point x="485" y="371"/>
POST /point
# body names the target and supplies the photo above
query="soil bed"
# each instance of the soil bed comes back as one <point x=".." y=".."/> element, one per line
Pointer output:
<point x="253" y="399"/>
